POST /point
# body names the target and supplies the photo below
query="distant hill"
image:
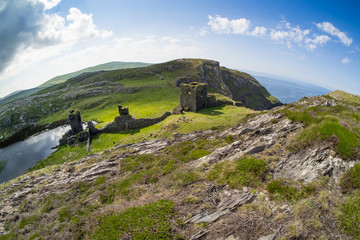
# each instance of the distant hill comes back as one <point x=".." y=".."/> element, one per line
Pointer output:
<point x="62" y="78"/>
<point x="106" y="67"/>
<point x="290" y="91"/>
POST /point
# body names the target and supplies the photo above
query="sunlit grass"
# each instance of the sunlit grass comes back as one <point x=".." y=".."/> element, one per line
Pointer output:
<point x="205" y="119"/>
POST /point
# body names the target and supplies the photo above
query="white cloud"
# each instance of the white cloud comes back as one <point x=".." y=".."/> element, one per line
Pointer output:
<point x="321" y="40"/>
<point x="239" y="26"/>
<point x="329" y="28"/>
<point x="52" y="35"/>
<point x="203" y="31"/>
<point x="346" y="60"/>
<point x="258" y="32"/>
<point x="278" y="35"/>
<point x="284" y="32"/>
<point x="170" y="39"/>
<point x="288" y="34"/>
<point x="77" y="26"/>
<point x="49" y="4"/>
<point x="219" y="24"/>
<point x="311" y="44"/>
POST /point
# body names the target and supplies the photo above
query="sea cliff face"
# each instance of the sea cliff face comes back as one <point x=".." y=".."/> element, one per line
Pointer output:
<point x="234" y="84"/>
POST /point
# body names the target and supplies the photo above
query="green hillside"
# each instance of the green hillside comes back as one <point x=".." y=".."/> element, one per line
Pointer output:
<point x="344" y="96"/>
<point x="101" y="67"/>
<point x="148" y="91"/>
<point x="62" y="78"/>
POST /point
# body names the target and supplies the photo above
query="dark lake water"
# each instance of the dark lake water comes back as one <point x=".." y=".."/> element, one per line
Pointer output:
<point x="23" y="155"/>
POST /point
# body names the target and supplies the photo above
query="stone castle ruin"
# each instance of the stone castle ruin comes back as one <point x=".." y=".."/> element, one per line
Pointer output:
<point x="194" y="96"/>
<point x="75" y="122"/>
<point x="77" y="133"/>
<point x="123" y="122"/>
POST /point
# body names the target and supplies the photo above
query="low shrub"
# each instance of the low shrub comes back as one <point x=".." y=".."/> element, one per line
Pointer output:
<point x="246" y="171"/>
<point x="351" y="179"/>
<point x="151" y="221"/>
<point x="282" y="189"/>
<point x="185" y="177"/>
<point x="349" y="216"/>
<point x="346" y="143"/>
<point x="64" y="214"/>
<point x="229" y="139"/>
<point x="28" y="220"/>
<point x="300" y="116"/>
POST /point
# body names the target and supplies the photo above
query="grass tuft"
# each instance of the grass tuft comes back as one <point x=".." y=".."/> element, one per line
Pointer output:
<point x="284" y="190"/>
<point x="349" y="216"/>
<point x="246" y="171"/>
<point x="351" y="179"/>
<point x="346" y="143"/>
<point x="151" y="221"/>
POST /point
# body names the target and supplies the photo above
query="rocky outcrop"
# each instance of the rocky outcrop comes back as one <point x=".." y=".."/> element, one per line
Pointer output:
<point x="257" y="134"/>
<point x="262" y="135"/>
<point x="228" y="204"/>
<point x="307" y="165"/>
<point x="326" y="101"/>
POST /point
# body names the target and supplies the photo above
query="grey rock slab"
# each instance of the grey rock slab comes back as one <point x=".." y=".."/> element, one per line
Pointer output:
<point x="198" y="235"/>
<point x="226" y="206"/>
<point x="147" y="147"/>
<point x="200" y="218"/>
<point x="232" y="237"/>
<point x="307" y="165"/>
<point x="268" y="237"/>
<point x="235" y="201"/>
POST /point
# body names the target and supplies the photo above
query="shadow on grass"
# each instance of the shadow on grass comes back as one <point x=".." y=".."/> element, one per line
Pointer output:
<point x="214" y="111"/>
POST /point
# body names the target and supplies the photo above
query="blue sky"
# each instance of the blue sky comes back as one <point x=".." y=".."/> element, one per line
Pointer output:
<point x="313" y="41"/>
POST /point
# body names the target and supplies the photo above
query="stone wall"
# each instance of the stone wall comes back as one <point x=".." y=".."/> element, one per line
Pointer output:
<point x="120" y="123"/>
<point x="128" y="122"/>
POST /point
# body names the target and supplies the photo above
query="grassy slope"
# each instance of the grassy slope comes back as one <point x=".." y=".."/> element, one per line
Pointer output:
<point x="211" y="118"/>
<point x="62" y="78"/>
<point x="142" y="179"/>
<point x="344" y="96"/>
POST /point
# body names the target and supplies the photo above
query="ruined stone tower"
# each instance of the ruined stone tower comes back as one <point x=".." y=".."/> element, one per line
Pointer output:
<point x="123" y="111"/>
<point x="193" y="96"/>
<point x="75" y="122"/>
